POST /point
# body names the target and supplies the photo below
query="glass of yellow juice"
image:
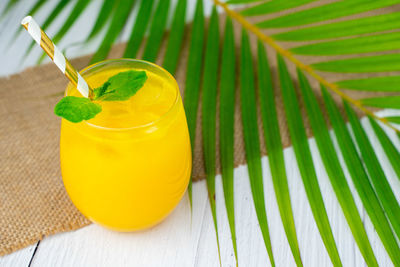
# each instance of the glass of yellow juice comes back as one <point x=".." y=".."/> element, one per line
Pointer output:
<point x="128" y="168"/>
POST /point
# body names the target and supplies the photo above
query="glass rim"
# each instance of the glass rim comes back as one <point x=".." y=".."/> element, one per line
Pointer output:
<point x="122" y="60"/>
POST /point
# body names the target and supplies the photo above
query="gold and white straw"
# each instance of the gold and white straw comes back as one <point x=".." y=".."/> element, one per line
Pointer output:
<point x="55" y="54"/>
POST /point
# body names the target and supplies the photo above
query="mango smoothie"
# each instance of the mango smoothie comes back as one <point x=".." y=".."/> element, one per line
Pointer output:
<point x="128" y="167"/>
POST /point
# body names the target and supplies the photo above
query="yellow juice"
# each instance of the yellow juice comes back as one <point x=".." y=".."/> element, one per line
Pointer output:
<point x="128" y="167"/>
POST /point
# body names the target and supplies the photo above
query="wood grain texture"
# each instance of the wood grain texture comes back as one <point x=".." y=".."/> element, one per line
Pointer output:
<point x="20" y="258"/>
<point x="185" y="241"/>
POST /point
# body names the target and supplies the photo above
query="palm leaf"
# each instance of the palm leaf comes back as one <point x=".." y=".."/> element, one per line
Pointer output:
<point x="75" y="13"/>
<point x="360" y="179"/>
<point x="61" y="5"/>
<point x="272" y="7"/>
<point x="227" y="113"/>
<point x="193" y="74"/>
<point x="117" y="24"/>
<point x="376" y="64"/>
<point x="334" y="170"/>
<point x="307" y="68"/>
<point x="35" y="8"/>
<point x="380" y="63"/>
<point x="363" y="25"/>
<point x="387" y="145"/>
<point x="243" y="1"/>
<point x="277" y="164"/>
<point x="326" y="12"/>
<point x="382" y="102"/>
<point x="156" y="31"/>
<point x="301" y="149"/>
<point x="370" y="43"/>
<point x="54" y="13"/>
<point x="394" y="119"/>
<point x="375" y="171"/>
<point x="38" y="4"/>
<point x="209" y="111"/>
<point x="175" y="37"/>
<point x="10" y="5"/>
<point x="374" y="191"/>
<point x="103" y="17"/>
<point x="386" y="83"/>
<point x="251" y="139"/>
<point x="139" y="29"/>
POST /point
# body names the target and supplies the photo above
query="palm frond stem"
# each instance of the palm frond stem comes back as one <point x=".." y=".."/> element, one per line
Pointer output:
<point x="308" y="69"/>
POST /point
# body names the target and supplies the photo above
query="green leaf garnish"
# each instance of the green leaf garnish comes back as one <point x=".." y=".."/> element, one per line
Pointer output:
<point x="119" y="87"/>
<point x="76" y="109"/>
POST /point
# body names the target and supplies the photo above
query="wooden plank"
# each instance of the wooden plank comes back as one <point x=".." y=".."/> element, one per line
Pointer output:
<point x="250" y="244"/>
<point x="181" y="242"/>
<point x="172" y="243"/>
<point x="20" y="258"/>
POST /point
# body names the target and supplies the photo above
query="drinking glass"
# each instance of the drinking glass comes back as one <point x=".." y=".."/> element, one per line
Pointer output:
<point x="129" y="167"/>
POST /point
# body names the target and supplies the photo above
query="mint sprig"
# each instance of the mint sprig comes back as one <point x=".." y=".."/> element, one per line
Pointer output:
<point x="119" y="87"/>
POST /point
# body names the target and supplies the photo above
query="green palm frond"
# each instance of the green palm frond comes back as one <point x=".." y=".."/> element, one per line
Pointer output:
<point x="391" y="151"/>
<point x="8" y="7"/>
<point x="103" y="17"/>
<point x="252" y="142"/>
<point x="360" y="179"/>
<point x="319" y="39"/>
<point x="209" y="111"/>
<point x="35" y="8"/>
<point x="139" y="29"/>
<point x="365" y="25"/>
<point x="273" y="6"/>
<point x="175" y="37"/>
<point x="325" y="12"/>
<point x="227" y="125"/>
<point x="378" y="63"/>
<point x="193" y="76"/>
<point x="53" y="15"/>
<point x="374" y="84"/>
<point x="157" y="30"/>
<point x="334" y="170"/>
<point x="356" y="45"/>
<point x="376" y="174"/>
<point x="382" y="102"/>
<point x="375" y="63"/>
<point x="393" y="119"/>
<point x="76" y="11"/>
<point x="301" y="149"/>
<point x="290" y="105"/>
<point x="118" y="21"/>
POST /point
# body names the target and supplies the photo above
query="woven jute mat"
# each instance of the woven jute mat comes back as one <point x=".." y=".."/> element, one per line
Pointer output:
<point x="33" y="202"/>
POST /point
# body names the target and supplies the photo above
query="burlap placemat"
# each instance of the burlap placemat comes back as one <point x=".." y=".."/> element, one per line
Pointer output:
<point x="33" y="202"/>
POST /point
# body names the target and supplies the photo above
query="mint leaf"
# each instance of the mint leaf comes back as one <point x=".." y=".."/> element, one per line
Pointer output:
<point x="100" y="91"/>
<point x="76" y="109"/>
<point x="121" y="86"/>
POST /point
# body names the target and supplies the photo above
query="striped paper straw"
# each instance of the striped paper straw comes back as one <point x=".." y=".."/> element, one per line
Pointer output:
<point x="56" y="56"/>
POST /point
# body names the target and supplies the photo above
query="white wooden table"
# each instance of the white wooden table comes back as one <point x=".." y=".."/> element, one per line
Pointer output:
<point x="181" y="240"/>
